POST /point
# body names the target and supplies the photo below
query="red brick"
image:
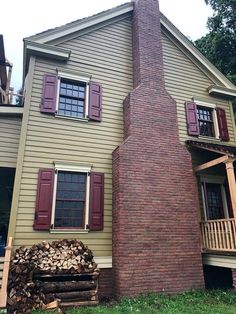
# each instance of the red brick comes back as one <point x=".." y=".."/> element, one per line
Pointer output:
<point x="156" y="236"/>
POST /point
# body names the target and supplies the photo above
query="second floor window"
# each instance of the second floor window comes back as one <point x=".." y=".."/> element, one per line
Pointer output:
<point x="72" y="99"/>
<point x="205" y="121"/>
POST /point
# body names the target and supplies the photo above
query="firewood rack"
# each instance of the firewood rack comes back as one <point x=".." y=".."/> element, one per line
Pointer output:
<point x="70" y="289"/>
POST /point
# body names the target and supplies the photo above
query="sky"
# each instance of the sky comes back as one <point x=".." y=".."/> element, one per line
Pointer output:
<point x="26" y="17"/>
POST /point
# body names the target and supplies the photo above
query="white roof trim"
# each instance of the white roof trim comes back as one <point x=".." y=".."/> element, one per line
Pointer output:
<point x="81" y="24"/>
<point x="194" y="51"/>
<point x="219" y="90"/>
<point x="60" y="53"/>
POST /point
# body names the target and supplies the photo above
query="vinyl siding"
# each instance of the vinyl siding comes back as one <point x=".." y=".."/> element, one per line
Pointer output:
<point x="106" y="55"/>
<point x="184" y="81"/>
<point x="10" y="128"/>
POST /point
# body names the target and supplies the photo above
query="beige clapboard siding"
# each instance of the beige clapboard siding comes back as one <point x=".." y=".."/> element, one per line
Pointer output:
<point x="51" y="138"/>
<point x="185" y="80"/>
<point x="9" y="140"/>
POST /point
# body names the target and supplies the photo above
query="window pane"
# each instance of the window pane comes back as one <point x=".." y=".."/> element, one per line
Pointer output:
<point x="205" y="121"/>
<point x="70" y="200"/>
<point x="215" y="209"/>
<point x="73" y="93"/>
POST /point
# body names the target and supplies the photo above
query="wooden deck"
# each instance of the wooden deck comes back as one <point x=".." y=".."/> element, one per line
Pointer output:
<point x="219" y="235"/>
<point x="1" y="269"/>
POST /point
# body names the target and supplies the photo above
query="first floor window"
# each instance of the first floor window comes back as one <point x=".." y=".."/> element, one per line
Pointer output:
<point x="214" y="200"/>
<point x="69" y="197"/>
<point x="70" y="200"/>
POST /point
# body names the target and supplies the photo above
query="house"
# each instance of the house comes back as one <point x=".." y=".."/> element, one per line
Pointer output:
<point x="126" y="141"/>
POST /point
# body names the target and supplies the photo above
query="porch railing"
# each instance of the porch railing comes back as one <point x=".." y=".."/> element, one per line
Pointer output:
<point x="219" y="235"/>
<point x="6" y="265"/>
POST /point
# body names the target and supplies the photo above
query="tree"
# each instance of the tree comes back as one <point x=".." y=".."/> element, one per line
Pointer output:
<point x="219" y="45"/>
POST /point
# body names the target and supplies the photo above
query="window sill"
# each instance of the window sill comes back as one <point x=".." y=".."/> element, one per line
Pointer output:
<point x="71" y="118"/>
<point x="208" y="138"/>
<point x="67" y="231"/>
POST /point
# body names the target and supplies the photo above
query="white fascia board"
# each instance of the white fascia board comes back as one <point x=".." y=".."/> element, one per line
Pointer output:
<point x="48" y="50"/>
<point x="11" y="110"/>
<point x="219" y="260"/>
<point x="82" y="24"/>
<point x="194" y="51"/>
<point x="229" y="92"/>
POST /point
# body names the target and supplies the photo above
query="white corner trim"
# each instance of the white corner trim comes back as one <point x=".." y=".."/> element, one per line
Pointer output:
<point x="60" y="53"/>
<point x="104" y="261"/>
<point x="76" y="167"/>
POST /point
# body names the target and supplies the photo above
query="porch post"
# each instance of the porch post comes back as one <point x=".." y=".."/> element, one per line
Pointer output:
<point x="232" y="184"/>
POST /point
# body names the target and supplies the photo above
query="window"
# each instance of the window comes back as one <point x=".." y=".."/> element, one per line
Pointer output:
<point x="206" y="120"/>
<point x="70" y="200"/>
<point x="214" y="198"/>
<point x="72" y="99"/>
<point x="69" y="197"/>
<point x="72" y="96"/>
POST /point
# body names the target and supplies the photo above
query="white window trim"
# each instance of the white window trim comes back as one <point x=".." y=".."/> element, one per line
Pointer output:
<point x="216" y="180"/>
<point x="214" y="116"/>
<point x="75" y="77"/>
<point x="59" y="166"/>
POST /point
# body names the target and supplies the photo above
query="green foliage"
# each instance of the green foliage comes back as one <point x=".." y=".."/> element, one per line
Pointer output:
<point x="219" y="45"/>
<point x="198" y="302"/>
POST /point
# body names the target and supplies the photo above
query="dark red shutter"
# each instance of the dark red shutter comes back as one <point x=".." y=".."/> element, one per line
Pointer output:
<point x="49" y="98"/>
<point x="44" y="198"/>
<point x="95" y="101"/>
<point x="192" y="120"/>
<point x="222" y="122"/>
<point x="96" y="202"/>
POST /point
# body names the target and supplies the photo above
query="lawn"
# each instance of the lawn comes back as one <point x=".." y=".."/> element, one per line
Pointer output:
<point x="211" y="302"/>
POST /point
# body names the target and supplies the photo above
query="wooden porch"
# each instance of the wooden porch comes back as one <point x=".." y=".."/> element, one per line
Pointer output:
<point x="218" y="231"/>
<point x="219" y="235"/>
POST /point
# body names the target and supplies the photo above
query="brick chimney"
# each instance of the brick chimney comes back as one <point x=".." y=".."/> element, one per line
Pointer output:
<point x="156" y="237"/>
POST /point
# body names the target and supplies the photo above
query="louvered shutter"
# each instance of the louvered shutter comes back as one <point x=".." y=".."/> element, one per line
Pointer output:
<point x="96" y="203"/>
<point x="44" y="199"/>
<point x="95" y="101"/>
<point x="49" y="97"/>
<point x="222" y="122"/>
<point x="192" y="120"/>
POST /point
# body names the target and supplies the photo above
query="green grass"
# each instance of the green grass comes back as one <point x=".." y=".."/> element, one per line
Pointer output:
<point x="213" y="302"/>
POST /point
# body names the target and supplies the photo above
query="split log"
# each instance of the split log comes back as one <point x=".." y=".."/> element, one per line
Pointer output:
<point x="65" y="286"/>
<point x="57" y="259"/>
<point x="71" y="296"/>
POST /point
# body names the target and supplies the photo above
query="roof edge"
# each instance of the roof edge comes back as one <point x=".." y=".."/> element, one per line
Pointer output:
<point x="195" y="52"/>
<point x="223" y="91"/>
<point x="80" y="24"/>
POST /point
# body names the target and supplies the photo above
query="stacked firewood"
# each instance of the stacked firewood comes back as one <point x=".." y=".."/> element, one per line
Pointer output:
<point x="59" y="258"/>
